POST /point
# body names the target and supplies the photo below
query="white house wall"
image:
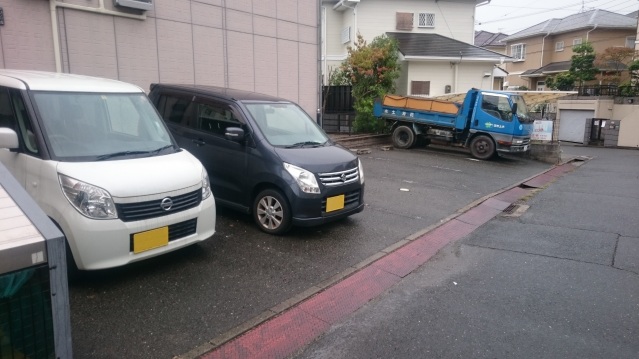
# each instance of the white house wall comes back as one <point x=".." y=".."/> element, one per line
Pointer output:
<point x="453" y="19"/>
<point x="268" y="46"/>
<point x="440" y="74"/>
<point x="471" y="75"/>
<point x="371" y="18"/>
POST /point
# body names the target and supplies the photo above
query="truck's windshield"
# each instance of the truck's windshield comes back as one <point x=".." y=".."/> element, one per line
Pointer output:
<point x="95" y="126"/>
<point x="522" y="110"/>
<point x="285" y="124"/>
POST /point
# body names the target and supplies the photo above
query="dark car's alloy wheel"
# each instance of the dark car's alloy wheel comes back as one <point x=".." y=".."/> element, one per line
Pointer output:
<point x="271" y="212"/>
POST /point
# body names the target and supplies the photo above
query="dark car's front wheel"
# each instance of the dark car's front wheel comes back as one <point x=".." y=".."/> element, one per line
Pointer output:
<point x="271" y="212"/>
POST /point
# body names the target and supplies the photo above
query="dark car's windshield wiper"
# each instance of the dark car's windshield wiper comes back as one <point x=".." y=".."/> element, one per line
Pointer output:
<point x="122" y="154"/>
<point x="306" y="143"/>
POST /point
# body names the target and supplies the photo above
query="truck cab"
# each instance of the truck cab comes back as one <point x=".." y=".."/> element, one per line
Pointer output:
<point x="504" y="118"/>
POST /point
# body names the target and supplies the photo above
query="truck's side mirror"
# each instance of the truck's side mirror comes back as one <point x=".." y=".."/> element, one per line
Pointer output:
<point x="514" y="108"/>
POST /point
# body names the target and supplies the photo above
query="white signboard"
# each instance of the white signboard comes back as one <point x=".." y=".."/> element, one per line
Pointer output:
<point x="542" y="130"/>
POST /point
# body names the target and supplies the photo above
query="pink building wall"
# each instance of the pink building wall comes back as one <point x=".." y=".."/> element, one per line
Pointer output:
<point x="267" y="46"/>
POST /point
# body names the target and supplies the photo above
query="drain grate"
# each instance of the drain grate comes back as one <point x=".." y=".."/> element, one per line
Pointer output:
<point x="511" y="209"/>
<point x="515" y="210"/>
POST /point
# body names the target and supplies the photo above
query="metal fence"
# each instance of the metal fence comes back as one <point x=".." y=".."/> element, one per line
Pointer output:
<point x="337" y="99"/>
<point x="606" y="90"/>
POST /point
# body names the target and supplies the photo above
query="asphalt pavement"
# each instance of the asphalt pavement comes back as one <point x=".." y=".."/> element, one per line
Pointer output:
<point x="179" y="303"/>
<point x="545" y="269"/>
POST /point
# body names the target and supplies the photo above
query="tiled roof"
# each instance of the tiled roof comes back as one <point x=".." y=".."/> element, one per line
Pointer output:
<point x="589" y="19"/>
<point x="438" y="46"/>
<point x="552" y="67"/>
<point x="486" y="38"/>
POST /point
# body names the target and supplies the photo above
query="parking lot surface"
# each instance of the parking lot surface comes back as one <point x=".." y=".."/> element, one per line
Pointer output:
<point x="171" y="304"/>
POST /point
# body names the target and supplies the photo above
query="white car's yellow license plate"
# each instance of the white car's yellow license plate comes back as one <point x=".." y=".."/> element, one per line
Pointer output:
<point x="334" y="203"/>
<point x="148" y="240"/>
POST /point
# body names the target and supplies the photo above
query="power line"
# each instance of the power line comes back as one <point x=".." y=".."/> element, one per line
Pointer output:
<point x="514" y="29"/>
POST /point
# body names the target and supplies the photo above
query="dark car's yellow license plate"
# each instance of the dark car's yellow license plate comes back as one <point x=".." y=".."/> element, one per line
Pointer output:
<point x="148" y="240"/>
<point x="334" y="203"/>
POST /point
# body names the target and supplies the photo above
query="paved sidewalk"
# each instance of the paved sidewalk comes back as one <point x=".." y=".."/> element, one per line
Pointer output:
<point x="548" y="268"/>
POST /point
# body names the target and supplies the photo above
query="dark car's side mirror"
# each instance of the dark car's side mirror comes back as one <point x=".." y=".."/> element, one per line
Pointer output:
<point x="235" y="134"/>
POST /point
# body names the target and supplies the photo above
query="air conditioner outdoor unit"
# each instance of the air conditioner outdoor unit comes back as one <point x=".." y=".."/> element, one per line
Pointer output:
<point x="135" y="4"/>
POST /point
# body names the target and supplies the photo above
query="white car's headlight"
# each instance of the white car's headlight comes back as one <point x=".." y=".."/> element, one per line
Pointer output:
<point x="206" y="185"/>
<point x="361" y="171"/>
<point x="93" y="202"/>
<point x="305" y="179"/>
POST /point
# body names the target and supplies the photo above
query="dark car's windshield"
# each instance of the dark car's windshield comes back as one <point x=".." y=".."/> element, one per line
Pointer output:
<point x="285" y="124"/>
<point x="101" y="126"/>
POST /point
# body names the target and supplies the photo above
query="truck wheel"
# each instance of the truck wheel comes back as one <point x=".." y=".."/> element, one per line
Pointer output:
<point x="271" y="212"/>
<point x="403" y="137"/>
<point x="482" y="147"/>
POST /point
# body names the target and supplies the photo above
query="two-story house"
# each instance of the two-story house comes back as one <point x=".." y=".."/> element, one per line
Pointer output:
<point x="435" y="41"/>
<point x="493" y="41"/>
<point x="545" y="49"/>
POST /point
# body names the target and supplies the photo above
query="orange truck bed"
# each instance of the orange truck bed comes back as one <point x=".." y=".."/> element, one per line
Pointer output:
<point x="421" y="104"/>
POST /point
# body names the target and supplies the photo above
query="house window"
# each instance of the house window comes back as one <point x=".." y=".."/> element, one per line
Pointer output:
<point x="404" y="21"/>
<point x="518" y="52"/>
<point x="559" y="46"/>
<point x="421" y="88"/>
<point x="630" y="42"/>
<point x="426" y="19"/>
<point x="576" y="41"/>
<point x="346" y="35"/>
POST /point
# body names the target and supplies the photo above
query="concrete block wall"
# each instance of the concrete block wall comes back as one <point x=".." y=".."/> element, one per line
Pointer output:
<point x="610" y="133"/>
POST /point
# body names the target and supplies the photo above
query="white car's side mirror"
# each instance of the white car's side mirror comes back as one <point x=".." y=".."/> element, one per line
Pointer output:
<point x="8" y="138"/>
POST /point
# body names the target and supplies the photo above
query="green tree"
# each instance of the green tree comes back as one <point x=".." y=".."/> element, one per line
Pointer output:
<point x="372" y="70"/>
<point x="614" y="60"/>
<point x="582" y="66"/>
<point x="563" y="82"/>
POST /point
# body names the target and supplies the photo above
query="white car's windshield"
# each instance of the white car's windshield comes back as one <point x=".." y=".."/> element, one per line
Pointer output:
<point x="101" y="126"/>
<point x="285" y="124"/>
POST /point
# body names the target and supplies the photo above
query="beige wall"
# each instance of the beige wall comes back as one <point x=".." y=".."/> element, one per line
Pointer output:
<point x="628" y="115"/>
<point x="268" y="46"/>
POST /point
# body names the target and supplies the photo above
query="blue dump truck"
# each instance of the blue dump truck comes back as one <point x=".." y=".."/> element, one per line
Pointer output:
<point x="487" y="122"/>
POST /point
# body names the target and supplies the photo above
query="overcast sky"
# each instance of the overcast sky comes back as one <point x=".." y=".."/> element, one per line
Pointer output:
<point x="511" y="16"/>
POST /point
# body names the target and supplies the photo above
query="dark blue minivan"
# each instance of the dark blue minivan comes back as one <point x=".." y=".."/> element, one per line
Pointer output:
<point x="264" y="155"/>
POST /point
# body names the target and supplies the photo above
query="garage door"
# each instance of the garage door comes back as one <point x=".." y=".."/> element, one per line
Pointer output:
<point x="572" y="125"/>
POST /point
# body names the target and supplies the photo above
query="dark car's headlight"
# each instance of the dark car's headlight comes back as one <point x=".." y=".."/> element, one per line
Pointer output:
<point x="305" y="179"/>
